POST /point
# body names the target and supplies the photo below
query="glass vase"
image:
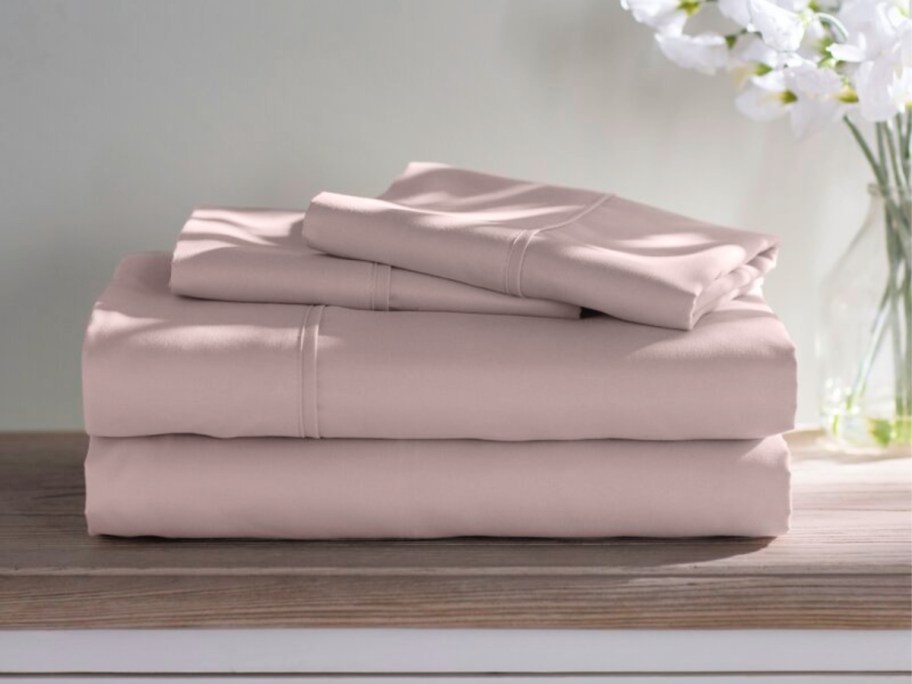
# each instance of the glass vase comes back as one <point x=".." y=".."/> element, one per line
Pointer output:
<point x="865" y="331"/>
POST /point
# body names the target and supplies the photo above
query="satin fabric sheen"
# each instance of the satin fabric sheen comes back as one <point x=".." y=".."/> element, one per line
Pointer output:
<point x="155" y="363"/>
<point x="187" y="486"/>
<point x="259" y="255"/>
<point x="525" y="239"/>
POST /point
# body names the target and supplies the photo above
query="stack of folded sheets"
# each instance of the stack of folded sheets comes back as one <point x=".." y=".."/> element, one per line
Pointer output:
<point x="463" y="355"/>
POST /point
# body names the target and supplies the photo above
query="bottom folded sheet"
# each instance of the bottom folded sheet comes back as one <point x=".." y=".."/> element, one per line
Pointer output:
<point x="189" y="486"/>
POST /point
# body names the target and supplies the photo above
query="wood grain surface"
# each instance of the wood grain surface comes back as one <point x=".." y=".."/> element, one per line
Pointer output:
<point x="845" y="564"/>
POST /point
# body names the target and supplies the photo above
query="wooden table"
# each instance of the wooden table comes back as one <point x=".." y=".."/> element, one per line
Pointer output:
<point x="833" y="595"/>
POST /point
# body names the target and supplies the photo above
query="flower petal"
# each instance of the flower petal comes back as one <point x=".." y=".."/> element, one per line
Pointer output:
<point x="665" y="16"/>
<point x="780" y="28"/>
<point x="810" y="115"/>
<point x="736" y="10"/>
<point x="705" y="53"/>
<point x="809" y="79"/>
<point x="875" y="83"/>
<point x="760" y="104"/>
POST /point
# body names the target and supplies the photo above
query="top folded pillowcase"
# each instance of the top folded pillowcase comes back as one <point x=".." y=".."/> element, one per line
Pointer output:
<point x="258" y="255"/>
<point x="545" y="242"/>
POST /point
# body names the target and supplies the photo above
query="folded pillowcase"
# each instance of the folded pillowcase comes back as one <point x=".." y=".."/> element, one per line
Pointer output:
<point x="525" y="239"/>
<point x="259" y="255"/>
<point x="157" y="363"/>
<point x="187" y="486"/>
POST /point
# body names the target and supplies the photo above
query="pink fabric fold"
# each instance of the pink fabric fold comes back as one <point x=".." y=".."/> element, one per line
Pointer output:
<point x="157" y="363"/>
<point x="188" y="486"/>
<point x="259" y="255"/>
<point x="526" y="239"/>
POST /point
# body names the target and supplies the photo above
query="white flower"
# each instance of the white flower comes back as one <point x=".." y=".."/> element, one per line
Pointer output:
<point x="816" y="38"/>
<point x="705" y="53"/>
<point x="665" y="16"/>
<point x="781" y="29"/>
<point x="815" y="62"/>
<point x="873" y="26"/>
<point x="811" y="115"/>
<point x="766" y="97"/>
<point x="761" y="105"/>
<point x="817" y="93"/>
<point x="902" y="89"/>
<point x="807" y="94"/>
<point x="883" y="89"/>
<point x="736" y="10"/>
<point x="808" y="79"/>
<point x="854" y="51"/>
<point x="752" y="57"/>
<point x="793" y="5"/>
<point x="905" y="43"/>
<point x="751" y="49"/>
<point x="878" y="53"/>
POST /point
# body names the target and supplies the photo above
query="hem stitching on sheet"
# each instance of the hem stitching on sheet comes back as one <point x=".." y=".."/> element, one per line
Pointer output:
<point x="516" y="254"/>
<point x="380" y="294"/>
<point x="316" y="350"/>
<point x="308" y="414"/>
<point x="370" y="288"/>
<point x="388" y="290"/>
<point x="300" y="364"/>
<point x="379" y="287"/>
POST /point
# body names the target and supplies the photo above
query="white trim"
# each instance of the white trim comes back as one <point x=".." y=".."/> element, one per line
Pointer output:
<point x="452" y="651"/>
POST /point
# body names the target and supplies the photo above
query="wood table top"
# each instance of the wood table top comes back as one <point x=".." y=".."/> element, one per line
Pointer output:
<point x="845" y="565"/>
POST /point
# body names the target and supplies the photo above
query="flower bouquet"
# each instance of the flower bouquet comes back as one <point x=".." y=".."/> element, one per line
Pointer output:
<point x="820" y="63"/>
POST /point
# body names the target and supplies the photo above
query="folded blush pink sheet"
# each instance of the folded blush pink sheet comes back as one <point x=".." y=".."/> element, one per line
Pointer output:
<point x="157" y="363"/>
<point x="259" y="255"/>
<point x="531" y="240"/>
<point x="190" y="486"/>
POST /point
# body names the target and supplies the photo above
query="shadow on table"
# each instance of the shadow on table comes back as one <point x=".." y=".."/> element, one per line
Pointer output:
<point x="463" y="555"/>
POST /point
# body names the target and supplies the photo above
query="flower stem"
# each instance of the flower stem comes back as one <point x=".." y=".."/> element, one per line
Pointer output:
<point x="859" y="138"/>
<point x="891" y="168"/>
<point x="875" y="342"/>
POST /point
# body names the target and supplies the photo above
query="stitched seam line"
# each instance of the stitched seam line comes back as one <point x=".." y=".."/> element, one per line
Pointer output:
<point x="517" y="281"/>
<point x="513" y="285"/>
<point x="509" y="258"/>
<point x="373" y="285"/>
<point x="316" y="348"/>
<point x="388" y="284"/>
<point x="310" y="425"/>
<point x="300" y="375"/>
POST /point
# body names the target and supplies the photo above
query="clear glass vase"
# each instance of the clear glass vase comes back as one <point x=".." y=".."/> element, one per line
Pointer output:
<point x="865" y="332"/>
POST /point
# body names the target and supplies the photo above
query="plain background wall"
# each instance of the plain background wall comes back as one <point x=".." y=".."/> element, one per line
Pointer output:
<point x="116" y="118"/>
